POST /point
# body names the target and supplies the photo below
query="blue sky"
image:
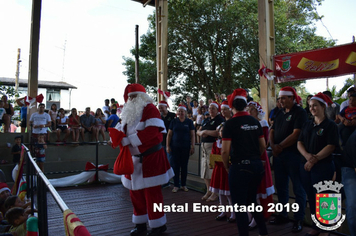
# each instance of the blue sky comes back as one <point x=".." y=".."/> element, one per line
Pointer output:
<point x="98" y="33"/>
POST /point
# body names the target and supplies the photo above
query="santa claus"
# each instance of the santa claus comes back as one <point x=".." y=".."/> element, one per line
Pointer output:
<point x="143" y="126"/>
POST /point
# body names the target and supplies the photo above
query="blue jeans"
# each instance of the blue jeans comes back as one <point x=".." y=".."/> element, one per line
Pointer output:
<point x="319" y="172"/>
<point x="180" y="158"/>
<point x="286" y="165"/>
<point x="244" y="180"/>
<point x="349" y="182"/>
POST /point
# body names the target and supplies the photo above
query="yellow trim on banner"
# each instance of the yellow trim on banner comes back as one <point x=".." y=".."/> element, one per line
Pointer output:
<point x="317" y="66"/>
<point x="351" y="59"/>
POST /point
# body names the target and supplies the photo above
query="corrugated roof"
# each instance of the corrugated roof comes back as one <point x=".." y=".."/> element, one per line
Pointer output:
<point x="41" y="84"/>
<point x="152" y="2"/>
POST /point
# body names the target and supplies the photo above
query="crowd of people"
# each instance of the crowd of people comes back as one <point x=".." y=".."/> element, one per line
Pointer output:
<point x="233" y="137"/>
<point x="303" y="141"/>
<point x="14" y="213"/>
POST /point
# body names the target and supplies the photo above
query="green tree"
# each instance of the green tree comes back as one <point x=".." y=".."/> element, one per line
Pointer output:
<point x="338" y="96"/>
<point x="213" y="45"/>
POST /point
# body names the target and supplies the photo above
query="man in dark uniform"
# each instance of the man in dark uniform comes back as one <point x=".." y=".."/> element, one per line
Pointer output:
<point x="208" y="134"/>
<point x="283" y="140"/>
<point x="348" y="171"/>
<point x="167" y="117"/>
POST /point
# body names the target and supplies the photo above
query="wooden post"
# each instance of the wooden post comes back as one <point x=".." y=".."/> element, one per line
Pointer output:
<point x="266" y="51"/>
<point x="33" y="58"/>
<point x="17" y="75"/>
<point x="162" y="45"/>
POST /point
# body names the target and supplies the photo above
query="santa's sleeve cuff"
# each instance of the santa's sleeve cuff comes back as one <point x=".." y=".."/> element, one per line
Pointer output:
<point x="125" y="141"/>
<point x="134" y="140"/>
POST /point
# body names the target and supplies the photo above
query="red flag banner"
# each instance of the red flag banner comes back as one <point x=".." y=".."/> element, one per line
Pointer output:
<point x="319" y="63"/>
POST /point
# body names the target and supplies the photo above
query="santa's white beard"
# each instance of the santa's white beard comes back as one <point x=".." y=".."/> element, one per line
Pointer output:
<point x="133" y="109"/>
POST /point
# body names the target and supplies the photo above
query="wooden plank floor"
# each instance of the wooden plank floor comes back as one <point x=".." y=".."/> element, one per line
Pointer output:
<point x="106" y="210"/>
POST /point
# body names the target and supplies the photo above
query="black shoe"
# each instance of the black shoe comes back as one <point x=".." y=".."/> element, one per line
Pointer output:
<point x="231" y="220"/>
<point x="138" y="230"/>
<point x="297" y="226"/>
<point x="279" y="220"/>
<point x="221" y="218"/>
<point x="157" y="231"/>
<point x="252" y="227"/>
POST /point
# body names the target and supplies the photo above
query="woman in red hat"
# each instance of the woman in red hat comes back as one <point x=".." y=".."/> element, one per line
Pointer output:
<point x="244" y="142"/>
<point x="317" y="141"/>
<point x="266" y="188"/>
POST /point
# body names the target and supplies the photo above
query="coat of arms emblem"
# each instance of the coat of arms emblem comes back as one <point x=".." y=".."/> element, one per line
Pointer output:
<point x="286" y="64"/>
<point x="328" y="205"/>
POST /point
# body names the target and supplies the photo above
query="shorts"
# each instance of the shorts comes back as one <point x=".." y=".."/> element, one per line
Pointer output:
<point x="74" y="128"/>
<point x="23" y="123"/>
<point x="62" y="128"/>
<point x="205" y="171"/>
<point x="87" y="131"/>
<point x="101" y="127"/>
<point x="40" y="159"/>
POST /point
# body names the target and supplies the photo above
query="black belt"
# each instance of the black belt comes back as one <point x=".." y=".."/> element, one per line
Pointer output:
<point x="149" y="151"/>
<point x="245" y="162"/>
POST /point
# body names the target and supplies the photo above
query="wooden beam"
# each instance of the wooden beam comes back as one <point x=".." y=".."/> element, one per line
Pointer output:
<point x="162" y="45"/>
<point x="266" y="52"/>
<point x="33" y="58"/>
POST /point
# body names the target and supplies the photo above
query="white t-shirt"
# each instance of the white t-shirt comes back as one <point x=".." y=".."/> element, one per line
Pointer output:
<point x="40" y="119"/>
<point x="63" y="120"/>
<point x="344" y="104"/>
<point x="106" y="108"/>
<point x="195" y="111"/>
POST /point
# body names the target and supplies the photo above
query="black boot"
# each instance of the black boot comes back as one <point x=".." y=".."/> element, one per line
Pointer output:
<point x="157" y="231"/>
<point x="138" y="230"/>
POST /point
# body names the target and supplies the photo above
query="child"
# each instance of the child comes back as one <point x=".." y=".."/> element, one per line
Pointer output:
<point x="17" y="218"/>
<point x="346" y="116"/>
<point x="74" y="125"/>
<point x="2" y="111"/>
<point x="53" y="114"/>
<point x="15" y="201"/>
<point x="62" y="122"/>
<point x="4" y="191"/>
<point x="219" y="181"/>
<point x="16" y="150"/>
<point x="40" y="153"/>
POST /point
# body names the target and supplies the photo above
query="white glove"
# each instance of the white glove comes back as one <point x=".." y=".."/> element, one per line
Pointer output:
<point x="125" y="141"/>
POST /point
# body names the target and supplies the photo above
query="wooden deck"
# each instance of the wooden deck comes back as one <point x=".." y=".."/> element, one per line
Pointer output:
<point x="106" y="210"/>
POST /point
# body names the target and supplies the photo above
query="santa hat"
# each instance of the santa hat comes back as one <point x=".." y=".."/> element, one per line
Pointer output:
<point x="163" y="103"/>
<point x="237" y="94"/>
<point x="215" y="104"/>
<point x="289" y="91"/>
<point x="4" y="187"/>
<point x="182" y="107"/>
<point x="165" y="94"/>
<point x="132" y="89"/>
<point x="225" y="104"/>
<point x="259" y="109"/>
<point x="323" y="98"/>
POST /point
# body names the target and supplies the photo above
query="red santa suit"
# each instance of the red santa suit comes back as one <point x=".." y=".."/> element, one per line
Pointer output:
<point x="146" y="180"/>
<point x="220" y="178"/>
<point x="266" y="189"/>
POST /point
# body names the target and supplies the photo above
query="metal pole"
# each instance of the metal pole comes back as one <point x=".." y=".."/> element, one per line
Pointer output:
<point x="97" y="163"/>
<point x="137" y="61"/>
<point x="353" y="40"/>
<point x="42" y="207"/>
